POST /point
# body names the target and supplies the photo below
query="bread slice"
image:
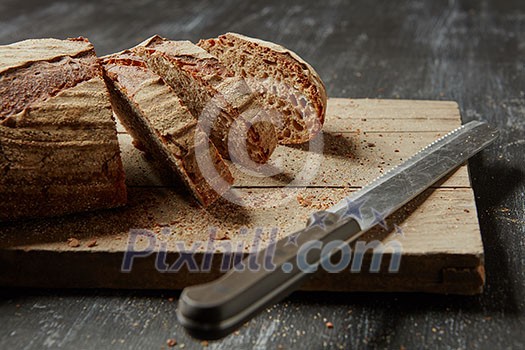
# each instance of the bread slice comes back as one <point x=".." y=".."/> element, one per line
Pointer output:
<point x="240" y="127"/>
<point x="286" y="81"/>
<point x="59" y="152"/>
<point x="155" y="117"/>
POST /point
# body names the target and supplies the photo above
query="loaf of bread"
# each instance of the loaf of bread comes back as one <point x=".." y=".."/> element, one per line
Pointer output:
<point x="286" y="82"/>
<point x="155" y="117"/>
<point x="241" y="128"/>
<point x="59" y="152"/>
<point x="234" y="97"/>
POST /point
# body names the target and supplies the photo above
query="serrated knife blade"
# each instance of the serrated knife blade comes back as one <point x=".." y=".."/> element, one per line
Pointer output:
<point x="215" y="309"/>
<point x="402" y="183"/>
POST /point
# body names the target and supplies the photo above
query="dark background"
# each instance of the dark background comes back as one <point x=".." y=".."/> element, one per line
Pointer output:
<point x="472" y="52"/>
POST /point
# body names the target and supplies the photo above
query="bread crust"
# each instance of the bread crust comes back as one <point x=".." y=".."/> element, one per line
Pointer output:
<point x="59" y="154"/>
<point x="24" y="53"/>
<point x="162" y="124"/>
<point x="200" y="79"/>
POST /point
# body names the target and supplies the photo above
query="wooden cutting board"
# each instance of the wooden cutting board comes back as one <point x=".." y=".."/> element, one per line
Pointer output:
<point x="442" y="251"/>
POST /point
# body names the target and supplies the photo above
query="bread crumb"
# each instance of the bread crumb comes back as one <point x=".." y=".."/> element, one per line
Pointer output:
<point x="92" y="243"/>
<point x="222" y="236"/>
<point x="171" y="342"/>
<point x="305" y="201"/>
<point x="329" y="325"/>
<point x="138" y="145"/>
<point x="73" y="242"/>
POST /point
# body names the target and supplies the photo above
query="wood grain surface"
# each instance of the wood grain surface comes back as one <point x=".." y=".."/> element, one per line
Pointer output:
<point x="467" y="51"/>
<point x="361" y="140"/>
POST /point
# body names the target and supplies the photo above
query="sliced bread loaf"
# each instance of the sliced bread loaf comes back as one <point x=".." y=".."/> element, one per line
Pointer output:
<point x="286" y="81"/>
<point x="240" y="127"/>
<point x="163" y="125"/>
<point x="59" y="152"/>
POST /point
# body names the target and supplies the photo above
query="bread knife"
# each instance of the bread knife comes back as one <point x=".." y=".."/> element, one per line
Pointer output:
<point x="213" y="310"/>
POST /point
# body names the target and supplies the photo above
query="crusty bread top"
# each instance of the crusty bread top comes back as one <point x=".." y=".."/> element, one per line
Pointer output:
<point x="26" y="52"/>
<point x="35" y="70"/>
<point x="281" y="49"/>
<point x="161" y="106"/>
<point x="158" y="119"/>
<point x="176" y="48"/>
<point x="70" y="107"/>
<point x="197" y="77"/>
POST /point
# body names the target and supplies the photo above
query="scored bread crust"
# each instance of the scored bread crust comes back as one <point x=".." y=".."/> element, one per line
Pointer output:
<point x="156" y="117"/>
<point x="240" y="124"/>
<point x="26" y="52"/>
<point x="287" y="82"/>
<point x="26" y="80"/>
<point x="59" y="154"/>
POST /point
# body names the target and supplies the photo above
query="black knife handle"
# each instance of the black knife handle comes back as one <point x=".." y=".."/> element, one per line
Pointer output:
<point x="213" y="310"/>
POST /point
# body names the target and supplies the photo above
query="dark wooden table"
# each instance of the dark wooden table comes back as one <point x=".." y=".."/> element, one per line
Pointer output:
<point x="469" y="51"/>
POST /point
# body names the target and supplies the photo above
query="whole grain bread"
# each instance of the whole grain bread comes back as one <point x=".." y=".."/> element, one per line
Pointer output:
<point x="59" y="152"/>
<point x="240" y="127"/>
<point x="155" y="117"/>
<point x="286" y="82"/>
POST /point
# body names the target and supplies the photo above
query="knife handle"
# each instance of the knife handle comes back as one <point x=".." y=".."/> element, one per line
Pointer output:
<point x="213" y="310"/>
